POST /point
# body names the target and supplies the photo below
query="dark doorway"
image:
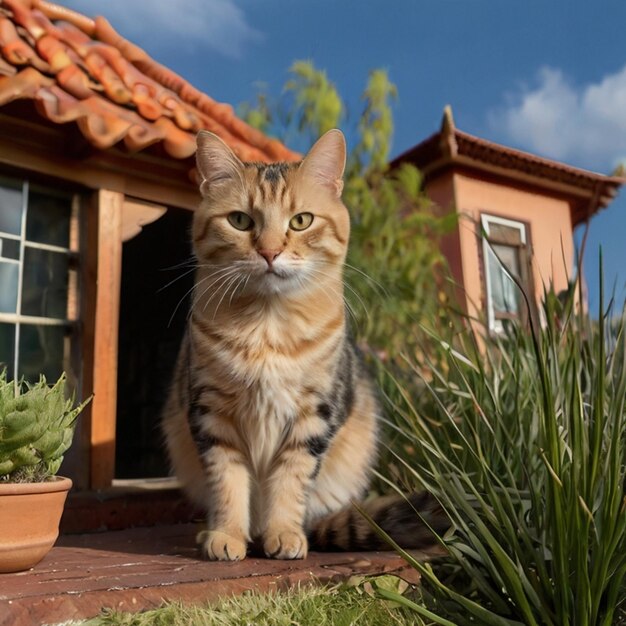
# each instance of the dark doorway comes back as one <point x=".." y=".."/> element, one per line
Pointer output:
<point x="151" y="329"/>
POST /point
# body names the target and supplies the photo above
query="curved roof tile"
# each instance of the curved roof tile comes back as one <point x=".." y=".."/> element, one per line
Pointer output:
<point x="78" y="69"/>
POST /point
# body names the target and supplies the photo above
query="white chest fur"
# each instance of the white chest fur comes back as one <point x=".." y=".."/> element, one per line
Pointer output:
<point x="266" y="410"/>
<point x="257" y="361"/>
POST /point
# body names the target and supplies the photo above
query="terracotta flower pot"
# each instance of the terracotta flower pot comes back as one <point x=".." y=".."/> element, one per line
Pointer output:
<point x="29" y="521"/>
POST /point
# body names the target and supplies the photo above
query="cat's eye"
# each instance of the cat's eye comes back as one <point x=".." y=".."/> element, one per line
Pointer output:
<point x="301" y="221"/>
<point x="240" y="220"/>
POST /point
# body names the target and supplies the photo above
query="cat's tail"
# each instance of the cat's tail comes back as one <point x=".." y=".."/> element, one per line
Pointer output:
<point x="348" y="529"/>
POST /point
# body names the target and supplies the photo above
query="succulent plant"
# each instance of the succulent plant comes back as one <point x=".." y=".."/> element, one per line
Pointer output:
<point x="36" y="428"/>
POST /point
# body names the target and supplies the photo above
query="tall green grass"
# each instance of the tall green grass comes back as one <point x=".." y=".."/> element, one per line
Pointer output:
<point x="521" y="437"/>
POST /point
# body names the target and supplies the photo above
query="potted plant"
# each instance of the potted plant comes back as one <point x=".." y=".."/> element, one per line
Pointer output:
<point x="36" y="428"/>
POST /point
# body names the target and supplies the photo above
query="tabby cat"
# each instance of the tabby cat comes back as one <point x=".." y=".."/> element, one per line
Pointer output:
<point x="272" y="421"/>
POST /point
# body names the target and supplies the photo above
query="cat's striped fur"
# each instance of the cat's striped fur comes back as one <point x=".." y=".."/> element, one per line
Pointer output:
<point x="272" y="421"/>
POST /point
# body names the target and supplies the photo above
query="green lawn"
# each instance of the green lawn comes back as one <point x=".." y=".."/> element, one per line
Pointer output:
<point x="316" y="606"/>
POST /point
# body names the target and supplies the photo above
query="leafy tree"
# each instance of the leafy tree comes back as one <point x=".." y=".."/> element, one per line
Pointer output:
<point x="395" y="271"/>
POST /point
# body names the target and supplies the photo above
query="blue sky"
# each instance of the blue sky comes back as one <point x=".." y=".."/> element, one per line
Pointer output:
<point x="548" y="76"/>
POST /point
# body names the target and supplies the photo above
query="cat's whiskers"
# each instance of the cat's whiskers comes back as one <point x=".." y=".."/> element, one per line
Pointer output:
<point x="351" y="312"/>
<point x="191" y="263"/>
<point x="192" y="260"/>
<point x="362" y="274"/>
<point x="337" y="293"/>
<point x="189" y="271"/>
<point x="195" y="298"/>
<point x="358" y="297"/>
<point x="192" y="266"/>
<point x="220" y="273"/>
<point x="347" y="286"/>
<point x="230" y="283"/>
<point x="367" y="276"/>
<point x="247" y="279"/>
<point x="193" y="288"/>
<point x="222" y="280"/>
<point x="244" y="279"/>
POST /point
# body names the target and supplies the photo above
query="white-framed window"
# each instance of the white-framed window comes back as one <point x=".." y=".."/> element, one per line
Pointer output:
<point x="38" y="280"/>
<point x="506" y="256"/>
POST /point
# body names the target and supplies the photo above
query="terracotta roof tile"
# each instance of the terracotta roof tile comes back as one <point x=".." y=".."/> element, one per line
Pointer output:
<point x="77" y="69"/>
<point x="27" y="83"/>
<point x="452" y="147"/>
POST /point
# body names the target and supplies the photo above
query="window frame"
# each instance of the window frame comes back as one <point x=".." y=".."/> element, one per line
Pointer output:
<point x="71" y="321"/>
<point x="494" y="321"/>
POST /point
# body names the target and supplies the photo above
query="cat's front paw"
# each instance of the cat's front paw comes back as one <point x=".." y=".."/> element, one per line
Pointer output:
<point x="285" y="544"/>
<point x="219" y="546"/>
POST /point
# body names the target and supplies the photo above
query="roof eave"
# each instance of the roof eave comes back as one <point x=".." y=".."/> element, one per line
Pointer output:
<point x="588" y="192"/>
<point x="61" y="54"/>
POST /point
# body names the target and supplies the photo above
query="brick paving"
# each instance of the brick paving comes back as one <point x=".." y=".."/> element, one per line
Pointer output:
<point x="141" y="568"/>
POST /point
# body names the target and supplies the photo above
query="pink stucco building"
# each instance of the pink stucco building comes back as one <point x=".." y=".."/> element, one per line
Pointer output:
<point x="516" y="210"/>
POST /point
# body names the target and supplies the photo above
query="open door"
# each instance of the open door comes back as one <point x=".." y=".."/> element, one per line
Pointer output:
<point x="155" y="291"/>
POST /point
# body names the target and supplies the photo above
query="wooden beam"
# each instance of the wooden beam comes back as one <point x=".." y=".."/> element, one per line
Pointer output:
<point x="110" y="206"/>
<point x="137" y="215"/>
<point x="78" y="458"/>
<point x="164" y="181"/>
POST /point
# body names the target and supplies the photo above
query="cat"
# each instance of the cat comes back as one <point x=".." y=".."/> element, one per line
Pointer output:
<point x="272" y="422"/>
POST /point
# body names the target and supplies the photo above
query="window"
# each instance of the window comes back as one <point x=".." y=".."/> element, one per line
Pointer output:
<point x="506" y="255"/>
<point x="38" y="280"/>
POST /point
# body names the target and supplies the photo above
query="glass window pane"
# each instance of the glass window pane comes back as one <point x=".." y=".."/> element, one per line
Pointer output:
<point x="9" y="248"/>
<point x="44" y="291"/>
<point x="504" y="292"/>
<point x="7" y="348"/>
<point x="8" y="287"/>
<point x="509" y="257"/>
<point x="505" y="234"/>
<point x="11" y="207"/>
<point x="41" y="351"/>
<point x="48" y="219"/>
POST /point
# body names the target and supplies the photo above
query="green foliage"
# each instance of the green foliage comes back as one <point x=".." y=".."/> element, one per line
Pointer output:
<point x="260" y="114"/>
<point x="395" y="237"/>
<point x="36" y="428"/>
<point x="376" y="122"/>
<point x="522" y="439"/>
<point x="395" y="269"/>
<point x="318" y="106"/>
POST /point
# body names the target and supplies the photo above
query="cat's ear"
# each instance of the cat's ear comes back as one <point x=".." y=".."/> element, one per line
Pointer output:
<point x="215" y="161"/>
<point x="326" y="161"/>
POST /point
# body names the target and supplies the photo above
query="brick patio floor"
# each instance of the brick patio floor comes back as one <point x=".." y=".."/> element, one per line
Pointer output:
<point x="141" y="568"/>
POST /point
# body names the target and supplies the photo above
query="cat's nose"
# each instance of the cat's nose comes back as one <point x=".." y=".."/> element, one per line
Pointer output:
<point x="269" y="255"/>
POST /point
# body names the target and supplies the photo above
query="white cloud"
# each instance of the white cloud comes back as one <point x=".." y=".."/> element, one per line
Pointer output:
<point x="584" y="125"/>
<point x="217" y="24"/>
